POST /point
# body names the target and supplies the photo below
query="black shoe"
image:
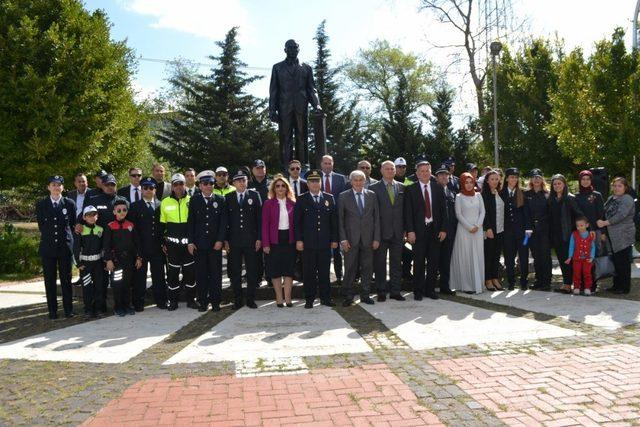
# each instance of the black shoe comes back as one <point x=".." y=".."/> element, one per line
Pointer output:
<point x="433" y="295"/>
<point x="347" y="302"/>
<point x="162" y="306"/>
<point x="280" y="305"/>
<point x="139" y="309"/>
<point x="93" y="315"/>
<point x="511" y="286"/>
<point x="203" y="308"/>
<point x="612" y="289"/>
<point x="397" y="297"/>
<point x="252" y="304"/>
<point x="382" y="297"/>
<point x="69" y="315"/>
<point x="53" y="316"/>
<point x="215" y="307"/>
<point x="417" y="297"/>
<point x="237" y="305"/>
<point x="470" y="292"/>
<point x="367" y="300"/>
<point x="173" y="306"/>
<point x="447" y="291"/>
<point x="308" y="304"/>
<point x="328" y="303"/>
<point x="121" y="313"/>
<point x="130" y="311"/>
<point x="524" y="286"/>
<point x="192" y="304"/>
<point x="289" y="304"/>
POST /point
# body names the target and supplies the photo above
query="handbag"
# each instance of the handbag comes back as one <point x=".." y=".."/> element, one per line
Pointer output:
<point x="604" y="265"/>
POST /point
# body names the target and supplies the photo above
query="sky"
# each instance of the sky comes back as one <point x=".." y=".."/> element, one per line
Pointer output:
<point x="188" y="29"/>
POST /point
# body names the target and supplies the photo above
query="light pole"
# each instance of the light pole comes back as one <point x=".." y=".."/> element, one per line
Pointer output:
<point x="634" y="52"/>
<point x="495" y="48"/>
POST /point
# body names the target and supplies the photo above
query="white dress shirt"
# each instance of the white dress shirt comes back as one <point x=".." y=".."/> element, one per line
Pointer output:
<point x="132" y="193"/>
<point x="283" y="220"/>
<point x="296" y="188"/>
<point x="428" y="187"/>
<point x="244" y="196"/>
<point x="80" y="199"/>
<point x="355" y="194"/>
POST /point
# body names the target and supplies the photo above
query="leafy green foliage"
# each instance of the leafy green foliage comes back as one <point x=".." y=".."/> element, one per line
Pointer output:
<point x="216" y="122"/>
<point x="18" y="252"/>
<point x="66" y="100"/>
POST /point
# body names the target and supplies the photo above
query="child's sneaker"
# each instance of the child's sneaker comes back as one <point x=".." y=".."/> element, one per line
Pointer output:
<point x="587" y="292"/>
<point x="576" y="291"/>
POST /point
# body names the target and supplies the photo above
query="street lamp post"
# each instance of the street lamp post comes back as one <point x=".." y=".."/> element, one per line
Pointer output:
<point x="634" y="51"/>
<point x="495" y="48"/>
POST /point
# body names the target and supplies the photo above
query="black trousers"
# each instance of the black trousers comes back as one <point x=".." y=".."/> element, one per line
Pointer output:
<point x="293" y="129"/>
<point x="179" y="260"/>
<point x="622" y="264"/>
<point x="426" y="250"/>
<point x="444" y="263"/>
<point x="394" y="248"/>
<point x="316" y="264"/>
<point x="337" y="263"/>
<point x="234" y="258"/>
<point x="208" y="276"/>
<point x="492" y="250"/>
<point x="158" y="281"/>
<point x="91" y="279"/>
<point x="51" y="268"/>
<point x="513" y="239"/>
<point x="121" y="282"/>
<point x="540" y="245"/>
<point x="562" y="253"/>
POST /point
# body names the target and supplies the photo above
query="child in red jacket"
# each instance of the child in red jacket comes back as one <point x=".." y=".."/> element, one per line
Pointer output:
<point x="582" y="250"/>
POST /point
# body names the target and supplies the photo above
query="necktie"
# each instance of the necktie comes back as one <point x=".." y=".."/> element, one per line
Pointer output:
<point x="317" y="200"/>
<point x="327" y="184"/>
<point x="149" y="206"/>
<point x="427" y="203"/>
<point x="137" y="194"/>
<point x="360" y="205"/>
<point x="191" y="192"/>
<point x="295" y="188"/>
<point x="55" y="205"/>
<point x="208" y="199"/>
<point x="392" y="195"/>
<point x="241" y="199"/>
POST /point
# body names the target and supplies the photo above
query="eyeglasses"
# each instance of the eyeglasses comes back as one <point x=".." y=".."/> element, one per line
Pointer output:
<point x="365" y="167"/>
<point x="135" y="175"/>
<point x="207" y="183"/>
<point x="110" y="184"/>
<point x="122" y="210"/>
<point x="147" y="187"/>
<point x="294" y="169"/>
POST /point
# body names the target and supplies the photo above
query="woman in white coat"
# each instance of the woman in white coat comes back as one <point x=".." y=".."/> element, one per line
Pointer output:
<point x="467" y="261"/>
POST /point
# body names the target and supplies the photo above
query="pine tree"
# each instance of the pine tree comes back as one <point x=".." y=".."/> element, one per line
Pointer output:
<point x="217" y="122"/>
<point x="440" y="141"/>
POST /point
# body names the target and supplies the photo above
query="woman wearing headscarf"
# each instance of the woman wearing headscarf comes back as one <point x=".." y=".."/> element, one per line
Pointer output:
<point x="564" y="211"/>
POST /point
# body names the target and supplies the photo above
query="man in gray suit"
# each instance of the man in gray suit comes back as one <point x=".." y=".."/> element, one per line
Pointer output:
<point x="390" y="195"/>
<point x="359" y="226"/>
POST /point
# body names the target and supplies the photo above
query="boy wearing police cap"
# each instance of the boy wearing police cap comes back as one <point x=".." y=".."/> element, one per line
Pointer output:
<point x="174" y="211"/>
<point x="206" y="230"/>
<point x="87" y="251"/>
<point x="316" y="233"/>
<point x="56" y="220"/>
<point x="244" y="232"/>
<point x="145" y="214"/>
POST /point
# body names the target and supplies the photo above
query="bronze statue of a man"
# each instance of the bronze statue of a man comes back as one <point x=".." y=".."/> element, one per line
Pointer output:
<point x="291" y="90"/>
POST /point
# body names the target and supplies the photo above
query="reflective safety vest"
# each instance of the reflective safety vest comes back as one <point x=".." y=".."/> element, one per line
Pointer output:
<point x="223" y="191"/>
<point x="173" y="214"/>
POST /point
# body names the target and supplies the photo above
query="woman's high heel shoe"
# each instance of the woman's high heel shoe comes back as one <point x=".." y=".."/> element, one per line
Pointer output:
<point x="289" y="304"/>
<point x="497" y="285"/>
<point x="489" y="285"/>
<point x="280" y="305"/>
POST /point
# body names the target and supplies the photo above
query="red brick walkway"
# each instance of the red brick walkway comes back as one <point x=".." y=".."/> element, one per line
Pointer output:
<point x="581" y="386"/>
<point x="369" y="395"/>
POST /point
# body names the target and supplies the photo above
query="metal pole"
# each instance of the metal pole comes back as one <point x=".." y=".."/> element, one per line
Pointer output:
<point x="495" y="113"/>
<point x="634" y="51"/>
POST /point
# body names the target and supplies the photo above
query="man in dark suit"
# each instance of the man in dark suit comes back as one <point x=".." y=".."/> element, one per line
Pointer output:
<point x="316" y="231"/>
<point x="81" y="194"/>
<point x="56" y="220"/>
<point x="132" y="192"/>
<point x="442" y="176"/>
<point x="359" y="230"/>
<point x="206" y="231"/>
<point x="145" y="215"/>
<point x="243" y="241"/>
<point x="298" y="184"/>
<point x="333" y="183"/>
<point x="425" y="217"/>
<point x="290" y="92"/>
<point x="390" y="195"/>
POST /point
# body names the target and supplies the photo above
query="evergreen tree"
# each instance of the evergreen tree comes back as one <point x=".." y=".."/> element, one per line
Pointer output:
<point x="217" y="122"/>
<point x="345" y="136"/>
<point x="440" y="140"/>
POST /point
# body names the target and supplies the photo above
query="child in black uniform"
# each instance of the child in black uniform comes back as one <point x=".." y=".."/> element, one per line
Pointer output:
<point x="87" y="251"/>
<point x="121" y="254"/>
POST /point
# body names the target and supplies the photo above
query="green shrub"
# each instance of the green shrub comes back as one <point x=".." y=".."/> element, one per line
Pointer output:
<point x="18" y="252"/>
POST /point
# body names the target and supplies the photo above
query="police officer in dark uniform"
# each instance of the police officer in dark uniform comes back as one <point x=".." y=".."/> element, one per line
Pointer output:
<point x="104" y="201"/>
<point x="260" y="183"/>
<point x="56" y="220"/>
<point x="454" y="181"/>
<point x="244" y="231"/>
<point x="316" y="233"/>
<point x="443" y="178"/>
<point x="514" y="224"/>
<point x="206" y="231"/>
<point x="537" y="225"/>
<point x="145" y="214"/>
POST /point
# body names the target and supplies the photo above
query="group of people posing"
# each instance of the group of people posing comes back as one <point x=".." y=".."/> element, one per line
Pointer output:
<point x="285" y="227"/>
